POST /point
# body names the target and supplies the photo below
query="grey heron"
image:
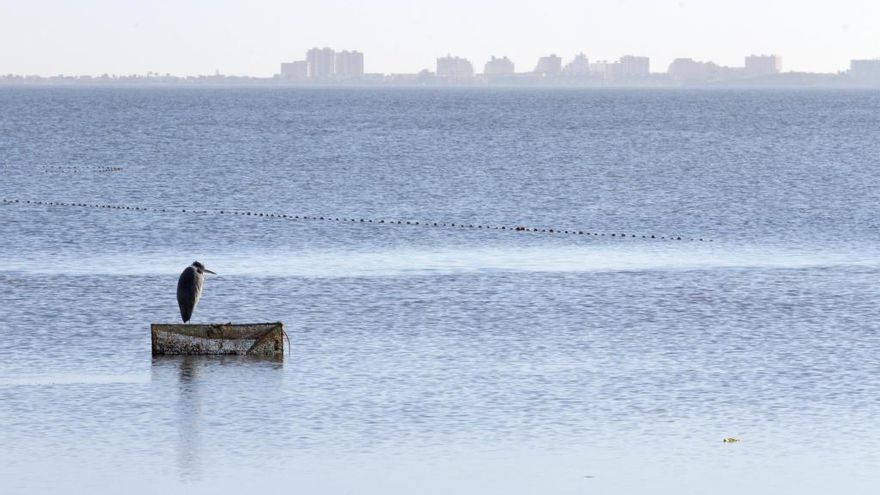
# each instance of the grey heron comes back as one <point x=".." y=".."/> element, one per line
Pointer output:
<point x="189" y="288"/>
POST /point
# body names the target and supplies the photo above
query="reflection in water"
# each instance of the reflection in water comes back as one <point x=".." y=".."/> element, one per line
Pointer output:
<point x="189" y="418"/>
<point x="207" y="389"/>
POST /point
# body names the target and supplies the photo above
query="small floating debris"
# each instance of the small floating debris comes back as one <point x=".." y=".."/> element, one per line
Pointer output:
<point x="730" y="440"/>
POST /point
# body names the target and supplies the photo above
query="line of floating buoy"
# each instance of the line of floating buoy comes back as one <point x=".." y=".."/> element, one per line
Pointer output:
<point x="358" y="220"/>
<point x="82" y="169"/>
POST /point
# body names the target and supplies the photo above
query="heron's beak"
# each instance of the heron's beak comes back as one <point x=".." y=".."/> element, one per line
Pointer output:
<point x="209" y="271"/>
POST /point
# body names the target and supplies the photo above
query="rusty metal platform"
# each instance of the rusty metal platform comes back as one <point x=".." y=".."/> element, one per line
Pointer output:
<point x="247" y="339"/>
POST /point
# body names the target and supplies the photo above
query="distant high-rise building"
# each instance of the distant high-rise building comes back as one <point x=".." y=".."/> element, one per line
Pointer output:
<point x="865" y="70"/>
<point x="600" y="69"/>
<point x="631" y="67"/>
<point x="687" y="69"/>
<point x="321" y="62"/>
<point x="763" y="65"/>
<point x="349" y="65"/>
<point x="579" y="66"/>
<point x="498" y="67"/>
<point x="295" y="70"/>
<point x="454" y="67"/>
<point x="549" y="66"/>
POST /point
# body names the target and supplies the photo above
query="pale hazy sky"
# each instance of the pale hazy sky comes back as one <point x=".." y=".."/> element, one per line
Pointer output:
<point x="251" y="37"/>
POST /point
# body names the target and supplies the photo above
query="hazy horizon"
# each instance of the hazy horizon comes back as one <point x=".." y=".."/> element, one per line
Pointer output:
<point x="252" y="38"/>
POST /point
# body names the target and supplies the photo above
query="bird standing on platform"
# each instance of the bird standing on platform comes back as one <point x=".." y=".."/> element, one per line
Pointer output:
<point x="189" y="288"/>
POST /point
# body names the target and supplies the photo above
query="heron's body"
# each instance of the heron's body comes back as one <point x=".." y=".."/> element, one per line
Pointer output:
<point x="189" y="289"/>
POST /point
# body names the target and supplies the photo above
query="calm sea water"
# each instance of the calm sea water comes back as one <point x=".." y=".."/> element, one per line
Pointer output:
<point x="444" y="360"/>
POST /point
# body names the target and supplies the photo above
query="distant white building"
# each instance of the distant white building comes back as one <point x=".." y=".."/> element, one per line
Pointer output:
<point x="601" y="69"/>
<point x="295" y="71"/>
<point x="579" y="66"/>
<point x="321" y="63"/>
<point x="550" y="65"/>
<point x="687" y="69"/>
<point x="865" y="70"/>
<point x="763" y="65"/>
<point x="632" y="67"/>
<point x="349" y="65"/>
<point x="454" y="68"/>
<point x="498" y="67"/>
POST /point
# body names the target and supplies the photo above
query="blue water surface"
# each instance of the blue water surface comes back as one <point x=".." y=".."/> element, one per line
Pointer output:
<point x="443" y="359"/>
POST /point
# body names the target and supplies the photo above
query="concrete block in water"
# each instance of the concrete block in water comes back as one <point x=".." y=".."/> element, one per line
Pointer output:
<point x="248" y="339"/>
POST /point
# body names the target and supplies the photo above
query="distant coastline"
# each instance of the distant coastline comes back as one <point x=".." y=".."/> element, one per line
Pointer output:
<point x="326" y="67"/>
<point x="788" y="80"/>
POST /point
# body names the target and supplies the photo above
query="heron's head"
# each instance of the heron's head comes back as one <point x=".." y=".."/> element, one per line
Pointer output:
<point x="201" y="268"/>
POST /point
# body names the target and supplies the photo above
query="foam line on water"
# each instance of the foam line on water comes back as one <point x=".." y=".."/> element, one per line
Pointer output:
<point x="395" y="262"/>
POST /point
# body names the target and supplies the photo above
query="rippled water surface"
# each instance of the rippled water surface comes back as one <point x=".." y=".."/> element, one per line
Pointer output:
<point x="443" y="359"/>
